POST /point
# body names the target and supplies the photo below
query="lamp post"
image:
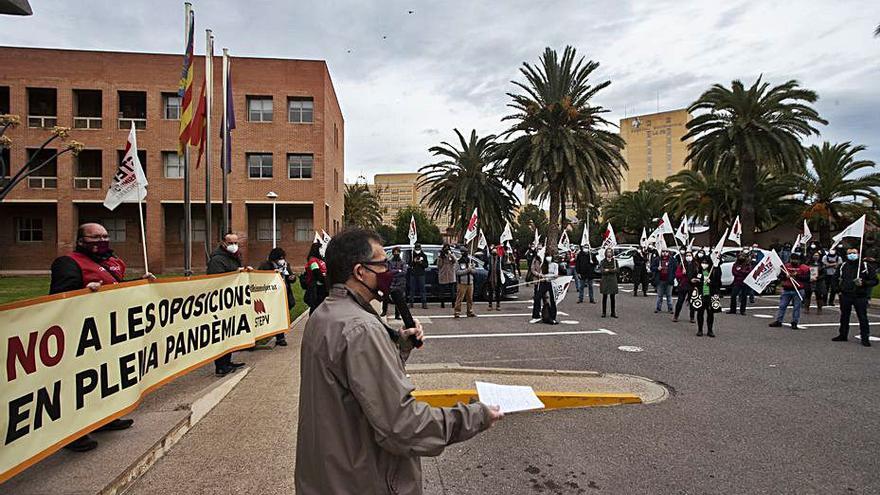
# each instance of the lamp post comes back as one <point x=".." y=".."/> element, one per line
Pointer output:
<point x="271" y="195"/>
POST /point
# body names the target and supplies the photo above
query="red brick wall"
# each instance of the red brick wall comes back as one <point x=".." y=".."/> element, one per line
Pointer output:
<point x="155" y="74"/>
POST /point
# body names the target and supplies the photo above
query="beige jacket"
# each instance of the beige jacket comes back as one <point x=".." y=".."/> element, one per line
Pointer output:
<point x="360" y="430"/>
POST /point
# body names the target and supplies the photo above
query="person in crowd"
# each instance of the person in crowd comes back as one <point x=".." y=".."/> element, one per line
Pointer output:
<point x="817" y="283"/>
<point x="89" y="266"/>
<point x="495" y="276"/>
<point x="464" y="273"/>
<point x="684" y="273"/>
<point x="359" y="428"/>
<point x="548" y="270"/>
<point x="707" y="283"/>
<point x="585" y="265"/>
<point x="608" y="268"/>
<point x="785" y="253"/>
<point x="663" y="270"/>
<point x="651" y="253"/>
<point x="226" y="259"/>
<point x="831" y="264"/>
<point x="530" y="254"/>
<point x="315" y="277"/>
<point x="446" y="262"/>
<point x="856" y="281"/>
<point x="397" y="267"/>
<point x="640" y="272"/>
<point x="276" y="260"/>
<point x="811" y="248"/>
<point x="757" y="255"/>
<point x="739" y="291"/>
<point x="571" y="266"/>
<point x="795" y="278"/>
<point x="417" y="266"/>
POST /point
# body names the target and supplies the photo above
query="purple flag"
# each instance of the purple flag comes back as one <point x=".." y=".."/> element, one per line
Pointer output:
<point x="229" y="116"/>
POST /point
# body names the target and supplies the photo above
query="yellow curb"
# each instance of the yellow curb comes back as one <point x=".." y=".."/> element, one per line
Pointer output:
<point x="551" y="400"/>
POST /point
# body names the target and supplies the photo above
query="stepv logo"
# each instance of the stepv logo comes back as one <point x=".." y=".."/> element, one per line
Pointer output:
<point x="259" y="307"/>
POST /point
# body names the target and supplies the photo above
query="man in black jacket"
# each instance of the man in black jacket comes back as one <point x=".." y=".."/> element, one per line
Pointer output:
<point x="856" y="281"/>
<point x="226" y="259"/>
<point x="640" y="272"/>
<point x="585" y="266"/>
<point x="417" y="266"/>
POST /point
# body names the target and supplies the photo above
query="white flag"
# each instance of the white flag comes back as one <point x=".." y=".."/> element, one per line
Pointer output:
<point x="563" y="244"/>
<point x="471" y="231"/>
<point x="129" y="183"/>
<point x="413" y="235"/>
<point x="855" y="229"/>
<point x="609" y="240"/>
<point x="682" y="232"/>
<point x="797" y="242"/>
<point x="805" y="238"/>
<point x="507" y="235"/>
<point x="325" y="239"/>
<point x="585" y="237"/>
<point x="665" y="225"/>
<point x="716" y="252"/>
<point x="537" y="241"/>
<point x="317" y="238"/>
<point x="736" y="232"/>
<point x="481" y="242"/>
<point x="765" y="271"/>
<point x="560" y="287"/>
<point x="657" y="238"/>
<point x="643" y="241"/>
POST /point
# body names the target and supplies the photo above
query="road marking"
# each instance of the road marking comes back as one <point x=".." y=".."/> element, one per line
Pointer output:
<point x="569" y="322"/>
<point x="630" y="348"/>
<point x="852" y="324"/>
<point x="763" y="316"/>
<point x="496" y="315"/>
<point x="529" y="334"/>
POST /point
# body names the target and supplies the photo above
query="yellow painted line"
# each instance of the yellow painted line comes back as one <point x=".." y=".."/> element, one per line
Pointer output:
<point x="551" y="400"/>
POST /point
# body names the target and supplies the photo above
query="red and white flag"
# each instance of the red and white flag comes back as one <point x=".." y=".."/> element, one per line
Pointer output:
<point x="609" y="240"/>
<point x="482" y="243"/>
<point x="716" y="251"/>
<point x="665" y="225"/>
<point x="682" y="232"/>
<point x="766" y="271"/>
<point x="507" y="235"/>
<point x="807" y="235"/>
<point x="471" y="231"/>
<point x="643" y="241"/>
<point x="129" y="183"/>
<point x="413" y="234"/>
<point x="736" y="231"/>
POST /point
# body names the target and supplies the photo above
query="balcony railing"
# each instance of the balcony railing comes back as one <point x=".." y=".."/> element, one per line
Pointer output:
<point x="43" y="182"/>
<point x="87" y="182"/>
<point x="88" y="123"/>
<point x="44" y="121"/>
<point x="125" y="123"/>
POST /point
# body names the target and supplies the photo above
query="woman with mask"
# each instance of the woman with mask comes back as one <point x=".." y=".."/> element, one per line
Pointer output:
<point x="548" y="270"/>
<point x="446" y="275"/>
<point x="817" y="283"/>
<point x="608" y="284"/>
<point x="316" y="273"/>
<point x="398" y="269"/>
<point x="739" y="290"/>
<point x="831" y="264"/>
<point x="276" y="261"/>
<point x="684" y="273"/>
<point x="707" y="284"/>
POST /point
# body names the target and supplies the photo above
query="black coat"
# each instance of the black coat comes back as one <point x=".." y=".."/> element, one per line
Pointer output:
<point x="585" y="265"/>
<point x="848" y="276"/>
<point x="222" y="261"/>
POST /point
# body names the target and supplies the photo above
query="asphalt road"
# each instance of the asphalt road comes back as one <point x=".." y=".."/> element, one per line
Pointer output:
<point x="754" y="410"/>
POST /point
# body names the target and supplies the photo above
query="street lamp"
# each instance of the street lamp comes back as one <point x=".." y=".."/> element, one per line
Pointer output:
<point x="271" y="195"/>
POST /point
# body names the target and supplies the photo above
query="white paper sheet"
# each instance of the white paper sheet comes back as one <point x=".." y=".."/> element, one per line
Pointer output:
<point x="511" y="398"/>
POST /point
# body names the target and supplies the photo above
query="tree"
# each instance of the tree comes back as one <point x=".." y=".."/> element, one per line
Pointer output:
<point x="468" y="177"/>
<point x="426" y="229"/>
<point x="529" y="218"/>
<point x="388" y="234"/>
<point x="836" y="186"/>
<point x="746" y="131"/>
<point x="633" y="210"/>
<point x="559" y="143"/>
<point x="362" y="207"/>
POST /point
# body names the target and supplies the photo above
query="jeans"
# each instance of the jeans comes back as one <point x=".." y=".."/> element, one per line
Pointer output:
<point x="577" y="279"/>
<point x="544" y="288"/>
<point x="793" y="297"/>
<point x="741" y="292"/>
<point x="588" y="284"/>
<point x="417" y="283"/>
<point x="664" y="289"/>
<point x="847" y="303"/>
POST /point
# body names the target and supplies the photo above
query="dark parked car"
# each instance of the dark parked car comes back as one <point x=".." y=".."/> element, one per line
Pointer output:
<point x="433" y="289"/>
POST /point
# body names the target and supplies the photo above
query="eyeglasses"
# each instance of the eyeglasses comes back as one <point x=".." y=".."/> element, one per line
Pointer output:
<point x="377" y="263"/>
<point x="104" y="237"/>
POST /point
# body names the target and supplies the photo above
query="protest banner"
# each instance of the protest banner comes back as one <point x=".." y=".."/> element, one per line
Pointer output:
<point x="77" y="360"/>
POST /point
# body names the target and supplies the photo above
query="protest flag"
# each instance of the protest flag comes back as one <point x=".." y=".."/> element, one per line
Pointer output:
<point x="736" y="232"/>
<point x="609" y="240"/>
<point x="130" y="184"/>
<point x="413" y="235"/>
<point x="471" y="231"/>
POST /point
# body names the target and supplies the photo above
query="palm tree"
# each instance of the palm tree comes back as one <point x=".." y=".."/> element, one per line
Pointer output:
<point x="560" y="146"/>
<point x="362" y="207"/>
<point x="633" y="210"/>
<point x="469" y="177"/>
<point x="835" y="184"/>
<point x="747" y="130"/>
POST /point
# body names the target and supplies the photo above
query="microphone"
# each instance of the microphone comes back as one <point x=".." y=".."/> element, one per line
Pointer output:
<point x="399" y="300"/>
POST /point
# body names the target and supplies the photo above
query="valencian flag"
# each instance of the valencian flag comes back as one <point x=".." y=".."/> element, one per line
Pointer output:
<point x="736" y="232"/>
<point x="184" y="89"/>
<point x="413" y="234"/>
<point x="471" y="231"/>
<point x="199" y="127"/>
<point x="129" y="182"/>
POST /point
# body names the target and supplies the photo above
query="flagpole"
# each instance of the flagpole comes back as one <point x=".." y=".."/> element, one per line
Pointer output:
<point x="187" y="206"/>
<point x="224" y="155"/>
<point x="143" y="234"/>
<point x="209" y="96"/>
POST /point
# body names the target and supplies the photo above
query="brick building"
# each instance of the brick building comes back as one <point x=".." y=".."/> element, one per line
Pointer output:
<point x="289" y="140"/>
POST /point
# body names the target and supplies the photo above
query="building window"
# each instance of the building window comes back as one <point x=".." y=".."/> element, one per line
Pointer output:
<point x="87" y="109"/>
<point x="29" y="230"/>
<point x="47" y="176"/>
<point x="259" y="165"/>
<point x="173" y="165"/>
<point x="336" y="135"/>
<point x="299" y="166"/>
<point x="304" y="229"/>
<point x="198" y="229"/>
<point x="300" y="110"/>
<point x="132" y="108"/>
<point x="115" y="227"/>
<point x="4" y="164"/>
<point x="42" y="107"/>
<point x="142" y="157"/>
<point x="171" y="106"/>
<point x="259" y="108"/>
<point x="264" y="229"/>
<point x="4" y="100"/>
<point x="336" y="180"/>
<point x="88" y="170"/>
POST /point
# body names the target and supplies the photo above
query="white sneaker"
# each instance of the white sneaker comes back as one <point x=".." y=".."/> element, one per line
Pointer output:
<point x="534" y="320"/>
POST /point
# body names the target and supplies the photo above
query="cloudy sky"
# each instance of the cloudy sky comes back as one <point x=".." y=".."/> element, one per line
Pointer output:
<point x="408" y="72"/>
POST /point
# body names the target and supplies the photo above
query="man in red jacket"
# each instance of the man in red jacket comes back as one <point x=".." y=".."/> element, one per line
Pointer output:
<point x="795" y="278"/>
<point x="91" y="265"/>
